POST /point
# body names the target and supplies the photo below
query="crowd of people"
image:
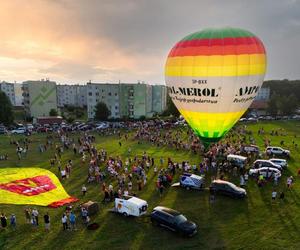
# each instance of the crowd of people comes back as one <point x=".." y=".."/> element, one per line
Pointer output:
<point x="118" y="176"/>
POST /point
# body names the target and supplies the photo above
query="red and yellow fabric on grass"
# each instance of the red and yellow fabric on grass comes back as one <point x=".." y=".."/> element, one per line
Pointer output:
<point x="32" y="186"/>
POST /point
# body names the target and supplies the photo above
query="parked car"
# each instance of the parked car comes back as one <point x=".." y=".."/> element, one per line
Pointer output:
<point x="2" y="130"/>
<point x="266" y="163"/>
<point x="237" y="160"/>
<point x="265" y="171"/>
<point x="227" y="188"/>
<point x="19" y="131"/>
<point x="278" y="151"/>
<point x="250" y="149"/>
<point x="193" y="181"/>
<point x="173" y="220"/>
<point x="129" y="205"/>
<point x="282" y="162"/>
<point x="102" y="126"/>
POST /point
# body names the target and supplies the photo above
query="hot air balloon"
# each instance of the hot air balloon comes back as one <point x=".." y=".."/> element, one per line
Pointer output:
<point x="213" y="76"/>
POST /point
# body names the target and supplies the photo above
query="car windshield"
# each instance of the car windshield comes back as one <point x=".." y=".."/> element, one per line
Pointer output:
<point x="233" y="186"/>
<point x="180" y="219"/>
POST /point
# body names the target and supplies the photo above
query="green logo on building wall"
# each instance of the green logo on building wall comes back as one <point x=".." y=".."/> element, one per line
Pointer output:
<point x="42" y="97"/>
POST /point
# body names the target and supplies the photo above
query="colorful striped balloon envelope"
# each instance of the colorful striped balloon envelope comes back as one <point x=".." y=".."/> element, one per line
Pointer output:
<point x="213" y="76"/>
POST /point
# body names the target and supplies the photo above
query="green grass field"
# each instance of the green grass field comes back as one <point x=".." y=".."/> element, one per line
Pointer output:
<point x="253" y="223"/>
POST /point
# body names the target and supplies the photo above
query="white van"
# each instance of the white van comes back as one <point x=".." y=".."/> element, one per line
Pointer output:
<point x="130" y="205"/>
<point x="237" y="160"/>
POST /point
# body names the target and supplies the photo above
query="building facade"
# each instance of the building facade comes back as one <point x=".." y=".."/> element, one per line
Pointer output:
<point x="74" y="95"/>
<point x="39" y="97"/>
<point x="263" y="94"/>
<point x="126" y="100"/>
<point x="159" y="98"/>
<point x="81" y="95"/>
<point x="9" y="90"/>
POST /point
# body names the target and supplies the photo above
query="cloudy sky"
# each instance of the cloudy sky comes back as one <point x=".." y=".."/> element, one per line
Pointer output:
<point x="73" y="41"/>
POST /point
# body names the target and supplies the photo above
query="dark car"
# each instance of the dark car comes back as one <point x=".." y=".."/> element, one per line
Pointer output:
<point x="227" y="188"/>
<point x="173" y="220"/>
<point x="2" y="130"/>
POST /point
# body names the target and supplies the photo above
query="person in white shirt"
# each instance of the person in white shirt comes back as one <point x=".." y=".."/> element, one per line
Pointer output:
<point x="274" y="195"/>
<point x="83" y="190"/>
<point x="64" y="221"/>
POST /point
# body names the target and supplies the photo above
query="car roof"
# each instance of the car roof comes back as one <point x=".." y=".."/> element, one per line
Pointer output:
<point x="262" y="160"/>
<point x="265" y="168"/>
<point x="277" y="159"/>
<point x="237" y="156"/>
<point x="221" y="182"/>
<point x="166" y="210"/>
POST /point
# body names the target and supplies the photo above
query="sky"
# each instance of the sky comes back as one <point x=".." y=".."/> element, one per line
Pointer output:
<point x="74" y="41"/>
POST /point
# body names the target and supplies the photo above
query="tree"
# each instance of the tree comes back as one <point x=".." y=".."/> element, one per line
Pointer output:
<point x="53" y="112"/>
<point x="288" y="104"/>
<point x="171" y="108"/>
<point x="273" y="104"/>
<point x="101" y="111"/>
<point x="6" y="110"/>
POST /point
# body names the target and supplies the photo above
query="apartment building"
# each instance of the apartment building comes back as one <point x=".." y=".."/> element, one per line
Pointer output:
<point x="9" y="90"/>
<point x="74" y="95"/>
<point x="127" y="99"/>
<point x="39" y="97"/>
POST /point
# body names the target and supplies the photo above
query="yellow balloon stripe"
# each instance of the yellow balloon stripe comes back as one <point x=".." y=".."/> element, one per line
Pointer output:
<point x="239" y="70"/>
<point x="217" y="60"/>
<point x="211" y="125"/>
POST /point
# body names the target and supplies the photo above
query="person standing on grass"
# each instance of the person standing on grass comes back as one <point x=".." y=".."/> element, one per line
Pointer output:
<point x="281" y="196"/>
<point x="13" y="221"/>
<point x="83" y="190"/>
<point x="64" y="221"/>
<point x="47" y="222"/>
<point x="35" y="216"/>
<point x="161" y="189"/>
<point x="72" y="219"/>
<point x="274" y="195"/>
<point x="3" y="220"/>
<point x="289" y="182"/>
<point x="27" y="213"/>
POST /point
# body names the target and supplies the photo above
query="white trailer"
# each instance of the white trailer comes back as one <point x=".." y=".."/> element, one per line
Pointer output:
<point x="130" y="205"/>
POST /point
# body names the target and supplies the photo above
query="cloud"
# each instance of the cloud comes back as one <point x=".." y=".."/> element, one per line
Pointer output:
<point x="129" y="40"/>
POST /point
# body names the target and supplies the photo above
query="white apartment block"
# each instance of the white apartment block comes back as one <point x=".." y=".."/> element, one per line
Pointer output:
<point x="126" y="99"/>
<point x="74" y="95"/>
<point x="9" y="90"/>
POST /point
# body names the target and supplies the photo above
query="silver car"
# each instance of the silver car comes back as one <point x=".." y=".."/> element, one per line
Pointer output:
<point x="266" y="172"/>
<point x="282" y="162"/>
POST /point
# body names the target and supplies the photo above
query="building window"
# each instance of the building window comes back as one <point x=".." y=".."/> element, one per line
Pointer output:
<point x="97" y="93"/>
<point x="116" y="107"/>
<point x="109" y="93"/>
<point x="116" y="94"/>
<point x="90" y="93"/>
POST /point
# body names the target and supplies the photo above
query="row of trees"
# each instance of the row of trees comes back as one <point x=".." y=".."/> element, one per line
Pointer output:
<point x="283" y="105"/>
<point x="285" y="96"/>
<point x="6" y="110"/>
